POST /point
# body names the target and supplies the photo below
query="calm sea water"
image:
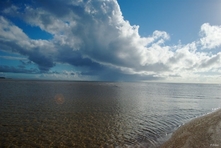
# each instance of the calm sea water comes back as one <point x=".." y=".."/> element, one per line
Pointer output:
<point x="98" y="114"/>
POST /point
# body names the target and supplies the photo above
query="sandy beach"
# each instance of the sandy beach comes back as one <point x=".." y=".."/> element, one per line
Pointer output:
<point x="202" y="132"/>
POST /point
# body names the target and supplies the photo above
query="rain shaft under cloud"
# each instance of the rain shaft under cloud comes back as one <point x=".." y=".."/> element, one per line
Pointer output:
<point x="97" y="41"/>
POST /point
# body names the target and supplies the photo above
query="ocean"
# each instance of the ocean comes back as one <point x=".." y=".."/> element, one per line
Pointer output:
<point x="99" y="114"/>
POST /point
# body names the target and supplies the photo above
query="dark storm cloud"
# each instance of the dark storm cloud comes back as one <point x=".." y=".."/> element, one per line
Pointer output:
<point x="25" y="62"/>
<point x="11" y="69"/>
<point x="76" y="58"/>
<point x="23" y="69"/>
<point x="44" y="63"/>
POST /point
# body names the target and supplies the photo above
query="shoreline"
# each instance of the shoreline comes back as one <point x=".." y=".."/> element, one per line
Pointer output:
<point x="204" y="132"/>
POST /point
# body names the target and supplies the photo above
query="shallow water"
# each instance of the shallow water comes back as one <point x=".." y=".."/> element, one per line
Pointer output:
<point x="98" y="114"/>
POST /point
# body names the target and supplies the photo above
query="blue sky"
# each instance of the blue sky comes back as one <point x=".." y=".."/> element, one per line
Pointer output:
<point x="181" y="19"/>
<point x="111" y="40"/>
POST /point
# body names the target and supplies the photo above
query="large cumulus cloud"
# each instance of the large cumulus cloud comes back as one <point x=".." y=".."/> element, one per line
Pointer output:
<point x="94" y="36"/>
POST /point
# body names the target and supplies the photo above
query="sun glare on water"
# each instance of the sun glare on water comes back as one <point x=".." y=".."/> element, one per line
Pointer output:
<point x="59" y="99"/>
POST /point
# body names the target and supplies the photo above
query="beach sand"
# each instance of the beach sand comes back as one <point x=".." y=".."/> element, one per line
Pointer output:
<point x="202" y="132"/>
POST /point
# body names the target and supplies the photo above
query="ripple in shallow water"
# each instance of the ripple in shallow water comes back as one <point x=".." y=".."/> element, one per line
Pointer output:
<point x="74" y="114"/>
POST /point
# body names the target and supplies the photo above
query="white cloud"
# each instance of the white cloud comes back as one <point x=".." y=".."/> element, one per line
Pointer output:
<point x="95" y="35"/>
<point x="10" y="31"/>
<point x="211" y="36"/>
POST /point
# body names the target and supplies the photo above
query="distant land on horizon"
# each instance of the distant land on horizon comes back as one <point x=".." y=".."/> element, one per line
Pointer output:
<point x="16" y="79"/>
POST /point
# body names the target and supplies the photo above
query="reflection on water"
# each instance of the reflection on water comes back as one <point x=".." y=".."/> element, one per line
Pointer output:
<point x="83" y="114"/>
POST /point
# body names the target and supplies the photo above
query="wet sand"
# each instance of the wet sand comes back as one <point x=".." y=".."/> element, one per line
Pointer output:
<point x="202" y="132"/>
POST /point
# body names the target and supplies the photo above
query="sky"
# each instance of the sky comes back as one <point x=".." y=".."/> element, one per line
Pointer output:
<point x="111" y="40"/>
